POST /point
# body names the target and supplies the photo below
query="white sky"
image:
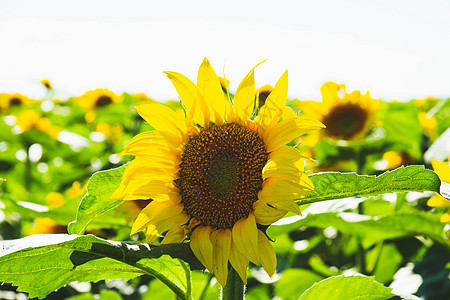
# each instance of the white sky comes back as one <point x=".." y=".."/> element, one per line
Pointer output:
<point x="395" y="49"/>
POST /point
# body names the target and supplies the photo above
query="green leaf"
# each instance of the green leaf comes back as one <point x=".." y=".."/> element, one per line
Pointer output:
<point x="346" y="288"/>
<point x="372" y="230"/>
<point x="98" y="199"/>
<point x="335" y="185"/>
<point x="290" y="286"/>
<point x="40" y="264"/>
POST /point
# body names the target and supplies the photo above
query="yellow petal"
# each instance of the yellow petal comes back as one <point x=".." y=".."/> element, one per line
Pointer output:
<point x="445" y="218"/>
<point x="244" y="98"/>
<point x="267" y="254"/>
<point x="160" y="226"/>
<point x="157" y="140"/>
<point x="289" y="129"/>
<point x="438" y="201"/>
<point x="442" y="169"/>
<point x="275" y="102"/>
<point x="202" y="247"/>
<point x="265" y="214"/>
<point x="209" y="87"/>
<point x="283" y="160"/>
<point x="245" y="238"/>
<point x="221" y="241"/>
<point x="162" y="118"/>
<point x="190" y="97"/>
<point x="239" y="262"/>
<point x="174" y="235"/>
<point x="330" y="94"/>
<point x="155" y="212"/>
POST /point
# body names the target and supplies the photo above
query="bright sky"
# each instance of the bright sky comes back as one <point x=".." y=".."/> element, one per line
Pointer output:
<point x="395" y="49"/>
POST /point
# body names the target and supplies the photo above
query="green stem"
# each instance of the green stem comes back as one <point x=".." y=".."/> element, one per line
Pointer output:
<point x="234" y="289"/>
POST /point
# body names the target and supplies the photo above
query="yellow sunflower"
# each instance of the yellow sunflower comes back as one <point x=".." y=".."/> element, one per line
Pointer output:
<point x="31" y="120"/>
<point x="346" y="116"/>
<point x="9" y="101"/>
<point x="262" y="93"/>
<point x="98" y="98"/>
<point x="442" y="168"/>
<point x="217" y="173"/>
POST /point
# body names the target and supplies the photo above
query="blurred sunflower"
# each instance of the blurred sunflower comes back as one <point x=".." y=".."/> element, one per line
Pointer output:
<point x="346" y="116"/>
<point x="93" y="100"/>
<point x="31" y="120"/>
<point x="262" y="93"/>
<point x="442" y="168"/>
<point x="47" y="84"/>
<point x="215" y="175"/>
<point x="9" y="101"/>
<point x="46" y="226"/>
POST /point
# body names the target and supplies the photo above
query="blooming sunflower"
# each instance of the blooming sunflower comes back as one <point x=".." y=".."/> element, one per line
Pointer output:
<point x="30" y="120"/>
<point x="442" y="168"/>
<point x="346" y="116"/>
<point x="215" y="175"/>
<point x="98" y="98"/>
<point x="9" y="101"/>
<point x="262" y="93"/>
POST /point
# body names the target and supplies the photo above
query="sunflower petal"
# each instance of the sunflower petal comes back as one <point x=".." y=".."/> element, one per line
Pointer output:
<point x="202" y="247"/>
<point x="221" y="241"/>
<point x="275" y="101"/>
<point x="245" y="238"/>
<point x="267" y="254"/>
<point x="289" y="129"/>
<point x="244" y="98"/>
<point x="174" y="235"/>
<point x="442" y="168"/>
<point x="438" y="201"/>
<point x="239" y="262"/>
<point x="209" y="87"/>
<point x="283" y="160"/>
<point x="162" y="118"/>
<point x="266" y="214"/>
<point x="155" y="212"/>
<point x="190" y="97"/>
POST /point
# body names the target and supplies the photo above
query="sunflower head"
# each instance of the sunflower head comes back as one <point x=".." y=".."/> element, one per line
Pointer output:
<point x="12" y="101"/>
<point x="218" y="171"/>
<point x="346" y="116"/>
<point x="262" y="93"/>
<point x="31" y="120"/>
<point x="47" y="84"/>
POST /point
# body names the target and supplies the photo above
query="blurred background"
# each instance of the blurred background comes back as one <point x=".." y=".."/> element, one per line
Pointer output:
<point x="395" y="49"/>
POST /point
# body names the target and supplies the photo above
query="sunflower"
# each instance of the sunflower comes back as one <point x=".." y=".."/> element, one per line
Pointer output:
<point x="442" y="168"/>
<point x="96" y="99"/>
<point x="9" y="101"/>
<point x="262" y="93"/>
<point x="217" y="174"/>
<point x="346" y="116"/>
<point x="30" y="120"/>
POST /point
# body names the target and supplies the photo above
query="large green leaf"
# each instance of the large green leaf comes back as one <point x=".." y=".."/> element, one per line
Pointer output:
<point x="372" y="230"/>
<point x="335" y="185"/>
<point x="347" y="288"/>
<point x="98" y="199"/>
<point x="40" y="264"/>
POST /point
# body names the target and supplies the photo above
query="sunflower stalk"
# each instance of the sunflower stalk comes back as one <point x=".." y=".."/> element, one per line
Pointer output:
<point x="234" y="289"/>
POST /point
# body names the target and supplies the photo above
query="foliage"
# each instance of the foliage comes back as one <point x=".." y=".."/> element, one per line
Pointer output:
<point x="375" y="226"/>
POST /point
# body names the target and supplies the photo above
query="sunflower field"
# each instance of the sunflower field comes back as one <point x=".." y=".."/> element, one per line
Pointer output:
<point x="224" y="193"/>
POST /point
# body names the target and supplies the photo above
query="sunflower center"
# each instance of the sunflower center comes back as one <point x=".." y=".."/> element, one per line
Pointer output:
<point x="221" y="174"/>
<point x="345" y="121"/>
<point x="15" y="102"/>
<point x="103" y="101"/>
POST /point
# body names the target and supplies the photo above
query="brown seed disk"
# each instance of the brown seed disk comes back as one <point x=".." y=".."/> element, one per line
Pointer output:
<point x="221" y="174"/>
<point x="345" y="121"/>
